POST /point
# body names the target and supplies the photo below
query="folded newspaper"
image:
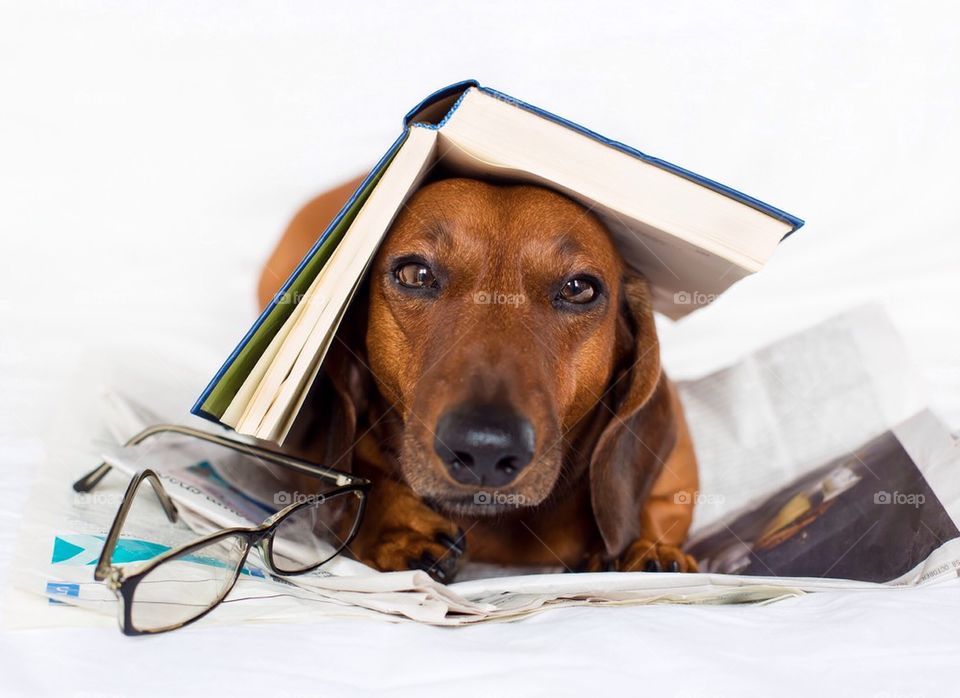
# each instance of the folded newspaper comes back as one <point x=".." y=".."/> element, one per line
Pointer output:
<point x="819" y="471"/>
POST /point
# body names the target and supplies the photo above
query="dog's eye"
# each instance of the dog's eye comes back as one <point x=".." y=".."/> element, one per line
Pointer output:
<point x="579" y="290"/>
<point x="415" y="275"/>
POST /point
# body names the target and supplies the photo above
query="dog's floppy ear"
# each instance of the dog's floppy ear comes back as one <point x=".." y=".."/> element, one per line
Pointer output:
<point x="326" y="429"/>
<point x="641" y="432"/>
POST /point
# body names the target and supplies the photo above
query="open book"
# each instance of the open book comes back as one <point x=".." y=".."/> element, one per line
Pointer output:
<point x="689" y="236"/>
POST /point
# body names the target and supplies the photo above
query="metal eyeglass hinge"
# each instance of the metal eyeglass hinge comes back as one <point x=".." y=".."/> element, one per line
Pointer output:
<point x="114" y="579"/>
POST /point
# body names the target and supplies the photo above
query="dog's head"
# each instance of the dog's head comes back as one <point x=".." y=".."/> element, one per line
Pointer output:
<point x="518" y="351"/>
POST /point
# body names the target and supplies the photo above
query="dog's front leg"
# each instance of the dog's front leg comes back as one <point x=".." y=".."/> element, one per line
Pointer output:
<point x="401" y="532"/>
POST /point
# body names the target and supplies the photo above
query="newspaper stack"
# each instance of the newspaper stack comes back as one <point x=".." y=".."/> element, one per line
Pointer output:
<point x="819" y="471"/>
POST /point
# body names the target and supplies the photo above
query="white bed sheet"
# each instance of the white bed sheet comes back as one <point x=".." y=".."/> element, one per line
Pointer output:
<point x="151" y="155"/>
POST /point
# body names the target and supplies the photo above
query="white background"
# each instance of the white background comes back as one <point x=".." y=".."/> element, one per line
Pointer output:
<point x="151" y="154"/>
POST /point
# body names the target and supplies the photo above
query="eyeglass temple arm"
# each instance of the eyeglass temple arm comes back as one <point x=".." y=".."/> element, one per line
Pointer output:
<point x="90" y="480"/>
<point x="103" y="568"/>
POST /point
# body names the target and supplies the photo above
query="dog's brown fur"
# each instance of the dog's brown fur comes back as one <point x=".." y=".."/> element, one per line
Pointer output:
<point x="614" y="475"/>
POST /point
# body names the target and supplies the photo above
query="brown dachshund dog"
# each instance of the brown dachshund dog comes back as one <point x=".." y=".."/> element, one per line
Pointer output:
<point x="499" y="381"/>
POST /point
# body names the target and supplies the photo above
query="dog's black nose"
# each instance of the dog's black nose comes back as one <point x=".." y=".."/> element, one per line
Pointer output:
<point x="484" y="444"/>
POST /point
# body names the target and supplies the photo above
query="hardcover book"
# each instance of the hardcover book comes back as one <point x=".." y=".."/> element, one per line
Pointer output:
<point x="691" y="237"/>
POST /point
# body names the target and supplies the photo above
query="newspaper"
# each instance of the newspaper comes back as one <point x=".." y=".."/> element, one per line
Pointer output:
<point x="790" y="503"/>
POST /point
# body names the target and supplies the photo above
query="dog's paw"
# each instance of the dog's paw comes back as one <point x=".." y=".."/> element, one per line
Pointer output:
<point x="439" y="553"/>
<point x="648" y="556"/>
<point x="642" y="556"/>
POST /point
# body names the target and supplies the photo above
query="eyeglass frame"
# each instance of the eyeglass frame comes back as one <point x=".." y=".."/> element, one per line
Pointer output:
<point x="123" y="582"/>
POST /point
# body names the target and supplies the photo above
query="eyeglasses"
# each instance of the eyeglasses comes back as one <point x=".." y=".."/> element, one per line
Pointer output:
<point x="185" y="583"/>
